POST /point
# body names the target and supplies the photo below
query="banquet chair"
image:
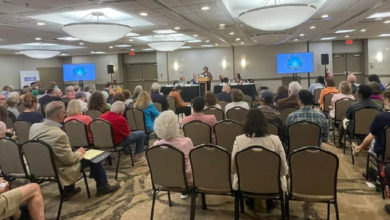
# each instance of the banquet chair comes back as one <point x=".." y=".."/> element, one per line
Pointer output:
<point x="274" y="129"/>
<point x="327" y="103"/>
<point x="94" y="114"/>
<point x="248" y="99"/>
<point x="284" y="113"/>
<point x="236" y="114"/>
<point x="11" y="159"/>
<point x="198" y="131"/>
<point x="340" y="108"/>
<point x="171" y="103"/>
<point x="303" y="134"/>
<point x="317" y="94"/>
<point x="158" y="106"/>
<point x="22" y="130"/>
<point x="218" y="113"/>
<point x="226" y="132"/>
<point x="77" y="133"/>
<point x="222" y="104"/>
<point x="136" y="122"/>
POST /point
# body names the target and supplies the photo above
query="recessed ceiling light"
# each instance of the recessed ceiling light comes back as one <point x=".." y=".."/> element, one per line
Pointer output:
<point x="379" y="15"/>
<point x="222" y="26"/>
<point x="384" y="35"/>
<point x="344" y="31"/>
<point x="167" y="31"/>
<point x="231" y="33"/>
<point x="148" y="49"/>
<point x="216" y="44"/>
<point x="238" y="39"/>
<point x="131" y="40"/>
<point x="207" y="45"/>
<point x="81" y="43"/>
<point x="123" y="45"/>
<point x="132" y="34"/>
<point x="64" y="54"/>
<point x="328" y="38"/>
<point x="205" y="8"/>
<point x="302" y="35"/>
<point x="68" y="38"/>
<point x="132" y="49"/>
<point x="111" y="47"/>
<point x="346" y="36"/>
<point x="313" y="27"/>
<point x="98" y="52"/>
<point x="177" y="28"/>
<point x="185" y="47"/>
<point x="363" y="30"/>
<point x="195" y="35"/>
<point x="386" y="22"/>
<point x="38" y="38"/>
<point x="41" y="23"/>
<point x="241" y="42"/>
<point x="143" y="14"/>
<point x="194" y="41"/>
<point x="325" y="16"/>
<point x="296" y="39"/>
<point x="207" y="41"/>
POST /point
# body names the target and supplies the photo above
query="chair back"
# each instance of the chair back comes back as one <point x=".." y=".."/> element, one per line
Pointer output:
<point x="274" y="129"/>
<point x="254" y="165"/>
<point x="39" y="157"/>
<point x="167" y="169"/>
<point x="226" y="132"/>
<point x="22" y="129"/>
<point x="284" y="113"/>
<point x="387" y="144"/>
<point x="222" y="104"/>
<point x="236" y="114"/>
<point x="313" y="174"/>
<point x="94" y="114"/>
<point x="158" y="106"/>
<point x="340" y="108"/>
<point x="379" y="102"/>
<point x="101" y="133"/>
<point x="11" y="160"/>
<point x="199" y="132"/>
<point x="211" y="169"/>
<point x="317" y="94"/>
<point x="248" y="99"/>
<point x="171" y="103"/>
<point x="303" y="134"/>
<point x="328" y="101"/>
<point x="218" y="113"/>
<point x="362" y="120"/>
<point x="135" y="119"/>
<point x="77" y="133"/>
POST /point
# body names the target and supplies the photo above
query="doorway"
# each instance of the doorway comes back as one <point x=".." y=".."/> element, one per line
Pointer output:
<point x="344" y="64"/>
<point x="144" y="74"/>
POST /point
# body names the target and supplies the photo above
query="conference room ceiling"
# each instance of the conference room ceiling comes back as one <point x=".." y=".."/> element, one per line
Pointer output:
<point x="17" y="25"/>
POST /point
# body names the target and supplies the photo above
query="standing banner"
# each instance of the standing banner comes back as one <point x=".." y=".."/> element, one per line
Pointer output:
<point x="28" y="76"/>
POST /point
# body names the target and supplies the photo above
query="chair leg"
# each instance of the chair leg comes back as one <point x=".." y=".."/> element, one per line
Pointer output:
<point x="236" y="207"/>
<point x="117" y="165"/>
<point x="242" y="207"/>
<point x="204" y="205"/>
<point x="328" y="210"/>
<point x="193" y="206"/>
<point x="86" y="185"/>
<point x="336" y="207"/>
<point x="282" y="206"/>
<point x="60" y="208"/>
<point x="352" y="157"/>
<point x="287" y="208"/>
<point x="169" y="199"/>
<point x="381" y="180"/>
<point x="153" y="202"/>
<point x="367" y="164"/>
<point x="334" y="134"/>
<point x="344" y="144"/>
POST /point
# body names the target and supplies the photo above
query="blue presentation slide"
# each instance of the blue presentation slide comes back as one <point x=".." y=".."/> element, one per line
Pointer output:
<point x="295" y="63"/>
<point x="76" y="72"/>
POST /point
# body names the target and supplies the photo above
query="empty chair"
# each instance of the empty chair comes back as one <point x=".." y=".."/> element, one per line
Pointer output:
<point x="313" y="176"/>
<point x="171" y="103"/>
<point x="158" y="106"/>
<point x="317" y="94"/>
<point x="102" y="140"/>
<point x="167" y="171"/>
<point x="303" y="134"/>
<point x="11" y="159"/>
<point x="77" y="133"/>
<point x="284" y="113"/>
<point x="218" y="113"/>
<point x="40" y="160"/>
<point x="22" y="129"/>
<point x="327" y="102"/>
<point x="199" y="132"/>
<point x="94" y="114"/>
<point x="236" y="114"/>
<point x="226" y="132"/>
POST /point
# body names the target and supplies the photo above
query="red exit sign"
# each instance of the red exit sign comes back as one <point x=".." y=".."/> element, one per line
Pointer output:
<point x="349" y="41"/>
<point x="131" y="53"/>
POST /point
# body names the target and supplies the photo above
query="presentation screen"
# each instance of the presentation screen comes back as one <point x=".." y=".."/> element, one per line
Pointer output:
<point x="76" y="72"/>
<point x="294" y="63"/>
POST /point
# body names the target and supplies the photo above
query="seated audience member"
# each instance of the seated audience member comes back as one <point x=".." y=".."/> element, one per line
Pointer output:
<point x="267" y="107"/>
<point x="83" y="100"/>
<point x="144" y="102"/>
<point x="110" y="92"/>
<point x="181" y="106"/>
<point x="225" y="94"/>
<point x="41" y="93"/>
<point x="376" y="140"/>
<point x="106" y="96"/>
<point x="281" y="93"/>
<point x="97" y="102"/>
<point x="3" y="129"/>
<point x="11" y="200"/>
<point x="121" y="131"/>
<point x="13" y="102"/>
<point x="320" y="84"/>
<point x="330" y="88"/>
<point x="197" y="115"/>
<point x="88" y="91"/>
<point x="211" y="101"/>
<point x="351" y="79"/>
<point x="364" y="92"/>
<point x="52" y="95"/>
<point x="120" y="97"/>
<point x="69" y="94"/>
<point x="68" y="163"/>
<point x="375" y="78"/>
<point x="6" y="90"/>
<point x="30" y="103"/>
<point x="137" y="90"/>
<point x="4" y="117"/>
<point x="307" y="113"/>
<point x="238" y="100"/>
<point x="76" y="88"/>
<point x="255" y="131"/>
<point x="127" y="95"/>
<point x="345" y="93"/>
<point x="376" y="91"/>
<point x="292" y="99"/>
<point x="158" y="97"/>
<point x="171" y="136"/>
<point x="74" y="111"/>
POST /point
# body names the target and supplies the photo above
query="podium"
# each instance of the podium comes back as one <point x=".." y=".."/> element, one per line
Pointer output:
<point x="202" y="80"/>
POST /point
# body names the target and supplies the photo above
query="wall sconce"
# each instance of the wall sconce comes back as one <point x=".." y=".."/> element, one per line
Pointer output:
<point x="175" y="66"/>
<point x="379" y="57"/>
<point x="243" y="63"/>
<point x="224" y="64"/>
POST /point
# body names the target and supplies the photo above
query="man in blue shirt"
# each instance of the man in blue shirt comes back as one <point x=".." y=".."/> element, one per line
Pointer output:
<point x="225" y="94"/>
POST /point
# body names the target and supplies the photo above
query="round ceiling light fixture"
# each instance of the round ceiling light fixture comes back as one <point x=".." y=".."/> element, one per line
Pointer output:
<point x="284" y="16"/>
<point x="40" y="54"/>
<point x="166" y="45"/>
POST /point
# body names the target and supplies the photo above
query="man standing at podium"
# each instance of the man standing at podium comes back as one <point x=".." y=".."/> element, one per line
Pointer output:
<point x="207" y="74"/>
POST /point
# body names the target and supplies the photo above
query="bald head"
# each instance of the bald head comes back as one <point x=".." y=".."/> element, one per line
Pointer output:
<point x="226" y="88"/>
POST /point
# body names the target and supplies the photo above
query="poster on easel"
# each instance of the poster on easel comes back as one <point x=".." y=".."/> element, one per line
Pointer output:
<point x="28" y="76"/>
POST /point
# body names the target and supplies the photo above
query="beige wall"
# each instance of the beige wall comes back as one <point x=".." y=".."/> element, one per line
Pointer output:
<point x="374" y="66"/>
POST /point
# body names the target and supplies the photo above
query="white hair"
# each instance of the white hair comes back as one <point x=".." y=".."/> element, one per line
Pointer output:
<point x="69" y="88"/>
<point x="14" y="95"/>
<point x="105" y="95"/>
<point x="166" y="125"/>
<point x="118" y="107"/>
<point x="155" y="87"/>
<point x="294" y="87"/>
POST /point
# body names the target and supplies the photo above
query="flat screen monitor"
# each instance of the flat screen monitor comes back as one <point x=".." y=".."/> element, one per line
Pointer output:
<point x="294" y="63"/>
<point x="77" y="72"/>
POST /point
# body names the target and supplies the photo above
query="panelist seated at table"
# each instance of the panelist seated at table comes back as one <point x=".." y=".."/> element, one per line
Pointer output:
<point x="193" y="80"/>
<point x="207" y="74"/>
<point x="181" y="106"/>
<point x="223" y="79"/>
<point x="237" y="78"/>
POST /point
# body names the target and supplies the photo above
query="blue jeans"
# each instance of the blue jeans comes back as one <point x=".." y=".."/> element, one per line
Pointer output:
<point x="137" y="137"/>
<point x="97" y="172"/>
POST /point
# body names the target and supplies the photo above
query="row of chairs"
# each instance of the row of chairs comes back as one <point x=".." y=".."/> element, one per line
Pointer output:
<point x="312" y="172"/>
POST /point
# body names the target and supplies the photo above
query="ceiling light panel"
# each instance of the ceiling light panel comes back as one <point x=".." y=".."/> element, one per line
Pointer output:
<point x="167" y="31"/>
<point x="384" y="35"/>
<point x="328" y="38"/>
<point x="166" y="37"/>
<point x="132" y="34"/>
<point x="379" y="15"/>
<point x="38" y="46"/>
<point x="110" y="15"/>
<point x="345" y="31"/>
<point x="68" y="38"/>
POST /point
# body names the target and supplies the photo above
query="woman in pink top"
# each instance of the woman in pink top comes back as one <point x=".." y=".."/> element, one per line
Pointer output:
<point x="74" y="112"/>
<point x="166" y="127"/>
<point x="345" y="93"/>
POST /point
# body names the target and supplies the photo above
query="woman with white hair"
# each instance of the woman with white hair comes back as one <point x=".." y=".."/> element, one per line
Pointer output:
<point x="74" y="111"/>
<point x="156" y="96"/>
<point x="292" y="100"/>
<point x="166" y="127"/>
<point x="137" y="90"/>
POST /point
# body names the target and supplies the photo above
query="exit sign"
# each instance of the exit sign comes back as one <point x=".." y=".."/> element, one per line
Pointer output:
<point x="131" y="53"/>
<point x="349" y="41"/>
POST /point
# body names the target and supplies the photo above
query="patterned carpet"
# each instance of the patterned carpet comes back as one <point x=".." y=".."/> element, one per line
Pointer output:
<point x="133" y="201"/>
